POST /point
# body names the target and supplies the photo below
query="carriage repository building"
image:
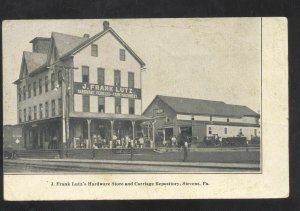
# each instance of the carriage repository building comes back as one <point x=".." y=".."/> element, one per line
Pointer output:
<point x="200" y="118"/>
<point x="72" y="89"/>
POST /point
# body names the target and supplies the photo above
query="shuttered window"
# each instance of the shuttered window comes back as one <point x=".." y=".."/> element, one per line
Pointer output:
<point x="101" y="76"/>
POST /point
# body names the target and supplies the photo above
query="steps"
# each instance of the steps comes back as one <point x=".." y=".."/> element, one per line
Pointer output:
<point x="43" y="154"/>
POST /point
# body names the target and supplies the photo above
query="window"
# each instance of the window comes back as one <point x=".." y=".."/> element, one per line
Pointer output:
<point x="101" y="76"/>
<point x="101" y="104"/>
<point x="117" y="105"/>
<point x="20" y="94"/>
<point x="29" y="113"/>
<point x="53" y="107"/>
<point x="52" y="81"/>
<point x="59" y="106"/>
<point x="41" y="111"/>
<point x="34" y="112"/>
<point x="122" y="54"/>
<point x="210" y="118"/>
<point x="24" y="114"/>
<point x="130" y="79"/>
<point x="255" y="132"/>
<point x="86" y="103"/>
<point x="20" y="115"/>
<point x="46" y="110"/>
<point x="94" y="50"/>
<point x="117" y="77"/>
<point x="131" y="106"/>
<point x="46" y="83"/>
<point x="34" y="88"/>
<point x="29" y="90"/>
<point x="85" y="74"/>
<point x="209" y="130"/>
<point x="227" y="119"/>
<point x="24" y="93"/>
<point x="40" y="86"/>
<point x="225" y="131"/>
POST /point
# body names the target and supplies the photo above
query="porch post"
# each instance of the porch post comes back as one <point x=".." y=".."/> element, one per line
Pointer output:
<point x="148" y="130"/>
<point x="133" y="131"/>
<point x="89" y="132"/>
<point x="153" y="134"/>
<point x="111" y="129"/>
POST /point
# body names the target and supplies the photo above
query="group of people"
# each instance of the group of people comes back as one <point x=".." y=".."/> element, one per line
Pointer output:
<point x="123" y="142"/>
<point x="174" y="141"/>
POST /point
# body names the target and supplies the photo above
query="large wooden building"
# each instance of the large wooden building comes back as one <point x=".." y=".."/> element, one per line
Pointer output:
<point x="73" y="89"/>
<point x="200" y="118"/>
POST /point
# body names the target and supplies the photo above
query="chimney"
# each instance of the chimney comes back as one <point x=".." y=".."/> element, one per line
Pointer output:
<point x="86" y="36"/>
<point x="105" y="25"/>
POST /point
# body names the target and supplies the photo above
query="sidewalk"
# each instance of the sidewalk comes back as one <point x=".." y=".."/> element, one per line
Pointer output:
<point x="89" y="163"/>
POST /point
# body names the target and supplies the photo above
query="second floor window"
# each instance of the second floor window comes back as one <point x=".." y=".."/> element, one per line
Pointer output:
<point x="34" y="88"/>
<point x="53" y="107"/>
<point x="41" y="111"/>
<point x="101" y="76"/>
<point x="101" y="104"/>
<point x="225" y="130"/>
<point x="24" y="114"/>
<point x="29" y="90"/>
<point x="24" y="93"/>
<point x="117" y="77"/>
<point x="29" y="113"/>
<point x="40" y="86"/>
<point x="122" y="55"/>
<point x="117" y="105"/>
<point x="85" y="74"/>
<point x="52" y="81"/>
<point x="46" y="110"/>
<point x="130" y="79"/>
<point x="20" y="94"/>
<point x="94" y="49"/>
<point x="20" y="115"/>
<point x="46" y="84"/>
<point x="34" y="112"/>
<point x="131" y="106"/>
<point x="86" y="103"/>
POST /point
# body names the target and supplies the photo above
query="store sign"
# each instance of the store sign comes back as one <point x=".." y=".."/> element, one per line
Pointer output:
<point x="106" y="90"/>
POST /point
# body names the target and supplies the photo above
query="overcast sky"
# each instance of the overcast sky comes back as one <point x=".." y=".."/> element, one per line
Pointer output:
<point x="213" y="59"/>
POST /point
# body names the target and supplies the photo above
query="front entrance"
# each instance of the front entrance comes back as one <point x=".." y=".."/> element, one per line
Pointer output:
<point x="186" y="131"/>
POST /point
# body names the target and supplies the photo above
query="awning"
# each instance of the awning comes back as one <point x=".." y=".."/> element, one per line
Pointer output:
<point x="39" y="121"/>
<point x="90" y="115"/>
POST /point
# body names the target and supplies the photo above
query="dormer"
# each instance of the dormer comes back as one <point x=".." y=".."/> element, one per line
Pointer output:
<point x="40" y="45"/>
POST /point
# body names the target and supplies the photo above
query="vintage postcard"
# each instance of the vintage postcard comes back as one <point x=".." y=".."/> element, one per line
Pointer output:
<point x="145" y="109"/>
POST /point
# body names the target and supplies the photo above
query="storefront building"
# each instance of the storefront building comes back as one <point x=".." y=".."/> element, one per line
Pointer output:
<point x="199" y="118"/>
<point x="76" y="91"/>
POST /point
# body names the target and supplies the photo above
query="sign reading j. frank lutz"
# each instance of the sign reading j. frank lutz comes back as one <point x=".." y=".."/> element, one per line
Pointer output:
<point x="106" y="90"/>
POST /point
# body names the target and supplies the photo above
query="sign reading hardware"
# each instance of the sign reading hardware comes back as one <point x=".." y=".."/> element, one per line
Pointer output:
<point x="106" y="90"/>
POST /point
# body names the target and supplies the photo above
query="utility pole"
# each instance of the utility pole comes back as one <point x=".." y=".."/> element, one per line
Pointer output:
<point x="64" y="80"/>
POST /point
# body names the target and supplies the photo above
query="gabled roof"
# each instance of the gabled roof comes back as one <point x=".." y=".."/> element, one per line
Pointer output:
<point x="68" y="45"/>
<point x="34" y="60"/>
<point x="204" y="107"/>
<point x="88" y="41"/>
<point x="65" y="43"/>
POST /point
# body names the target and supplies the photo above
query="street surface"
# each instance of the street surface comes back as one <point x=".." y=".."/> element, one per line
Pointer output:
<point x="89" y="166"/>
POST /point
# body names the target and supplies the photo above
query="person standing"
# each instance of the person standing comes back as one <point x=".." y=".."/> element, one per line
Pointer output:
<point x="185" y="150"/>
<point x="174" y="141"/>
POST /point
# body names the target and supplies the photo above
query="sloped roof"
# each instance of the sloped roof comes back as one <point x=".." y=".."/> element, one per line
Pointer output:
<point x="34" y="60"/>
<point x="65" y="42"/>
<point x="205" y="107"/>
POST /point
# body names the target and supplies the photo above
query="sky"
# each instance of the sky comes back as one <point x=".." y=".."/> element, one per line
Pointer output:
<point x="208" y="58"/>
